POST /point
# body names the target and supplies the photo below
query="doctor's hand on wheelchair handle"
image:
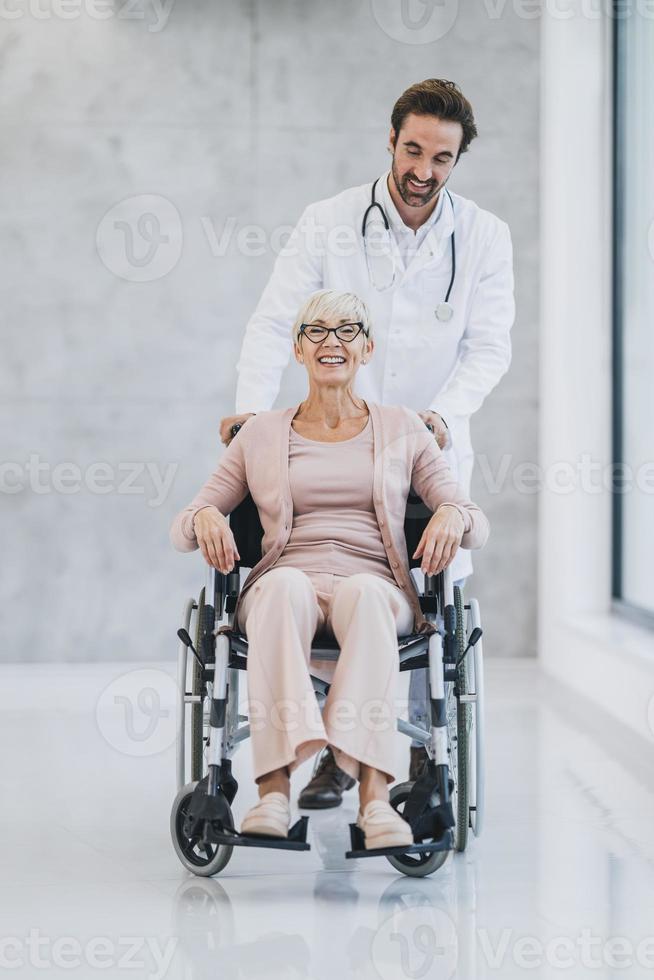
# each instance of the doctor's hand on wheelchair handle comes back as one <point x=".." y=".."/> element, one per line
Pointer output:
<point x="215" y="539"/>
<point x="226" y="424"/>
<point x="440" y="540"/>
<point x="435" y="423"/>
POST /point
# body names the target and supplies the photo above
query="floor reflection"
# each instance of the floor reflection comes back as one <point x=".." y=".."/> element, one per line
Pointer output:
<point x="560" y="883"/>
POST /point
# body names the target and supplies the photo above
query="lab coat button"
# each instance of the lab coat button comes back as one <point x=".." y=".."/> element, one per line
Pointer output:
<point x="381" y="523"/>
<point x="394" y="564"/>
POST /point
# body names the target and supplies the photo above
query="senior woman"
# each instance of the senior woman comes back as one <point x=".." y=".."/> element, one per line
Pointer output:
<point x="330" y="478"/>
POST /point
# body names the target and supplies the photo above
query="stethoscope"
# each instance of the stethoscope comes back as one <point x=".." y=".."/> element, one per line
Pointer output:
<point x="444" y="311"/>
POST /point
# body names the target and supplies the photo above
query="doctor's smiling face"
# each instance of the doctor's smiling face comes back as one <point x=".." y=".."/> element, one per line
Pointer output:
<point x="424" y="153"/>
<point x="432" y="124"/>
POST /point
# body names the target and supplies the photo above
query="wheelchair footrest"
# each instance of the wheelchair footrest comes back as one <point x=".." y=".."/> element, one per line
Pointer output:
<point x="216" y="833"/>
<point x="359" y="849"/>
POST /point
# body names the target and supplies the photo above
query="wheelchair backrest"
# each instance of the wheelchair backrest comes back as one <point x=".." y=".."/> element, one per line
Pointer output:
<point x="248" y="533"/>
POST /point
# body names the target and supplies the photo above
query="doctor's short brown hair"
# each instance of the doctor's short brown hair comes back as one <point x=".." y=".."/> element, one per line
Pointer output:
<point x="436" y="97"/>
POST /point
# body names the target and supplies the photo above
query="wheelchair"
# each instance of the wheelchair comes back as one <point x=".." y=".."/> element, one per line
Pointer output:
<point x="441" y="806"/>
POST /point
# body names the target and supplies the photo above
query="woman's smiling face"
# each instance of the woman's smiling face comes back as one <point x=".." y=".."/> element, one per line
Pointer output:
<point x="332" y="358"/>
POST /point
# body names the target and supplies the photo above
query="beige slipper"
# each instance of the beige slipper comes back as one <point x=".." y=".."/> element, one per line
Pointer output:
<point x="271" y="816"/>
<point x="383" y="826"/>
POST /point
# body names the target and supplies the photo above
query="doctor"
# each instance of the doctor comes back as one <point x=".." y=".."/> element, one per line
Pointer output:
<point x="436" y="272"/>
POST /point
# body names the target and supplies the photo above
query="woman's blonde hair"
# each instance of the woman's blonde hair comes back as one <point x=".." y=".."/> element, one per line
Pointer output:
<point x="330" y="304"/>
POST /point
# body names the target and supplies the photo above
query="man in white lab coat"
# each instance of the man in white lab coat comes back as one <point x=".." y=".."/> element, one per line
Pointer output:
<point x="437" y="274"/>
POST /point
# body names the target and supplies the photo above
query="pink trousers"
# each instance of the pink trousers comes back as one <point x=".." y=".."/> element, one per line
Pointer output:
<point x="280" y="615"/>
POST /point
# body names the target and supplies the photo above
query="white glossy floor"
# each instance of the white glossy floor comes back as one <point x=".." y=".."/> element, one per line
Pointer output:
<point x="560" y="884"/>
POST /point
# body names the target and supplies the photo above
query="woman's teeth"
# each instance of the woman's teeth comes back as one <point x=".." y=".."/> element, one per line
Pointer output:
<point x="331" y="360"/>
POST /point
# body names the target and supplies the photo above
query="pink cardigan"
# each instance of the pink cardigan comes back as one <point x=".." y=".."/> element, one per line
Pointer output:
<point x="405" y="455"/>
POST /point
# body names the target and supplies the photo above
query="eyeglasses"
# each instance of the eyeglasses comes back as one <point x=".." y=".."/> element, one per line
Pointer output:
<point x="315" y="332"/>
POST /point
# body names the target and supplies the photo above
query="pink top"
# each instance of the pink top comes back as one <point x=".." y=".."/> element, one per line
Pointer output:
<point x="334" y="527"/>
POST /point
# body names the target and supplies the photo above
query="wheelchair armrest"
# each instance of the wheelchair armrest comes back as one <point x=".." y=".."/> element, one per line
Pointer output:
<point x="218" y="588"/>
<point x="438" y="592"/>
<point x="232" y="589"/>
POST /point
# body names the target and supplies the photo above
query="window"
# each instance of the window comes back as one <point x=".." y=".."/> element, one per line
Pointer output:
<point x="633" y="335"/>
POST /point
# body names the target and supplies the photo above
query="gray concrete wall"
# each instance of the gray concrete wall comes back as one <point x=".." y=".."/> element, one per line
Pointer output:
<point x="120" y="340"/>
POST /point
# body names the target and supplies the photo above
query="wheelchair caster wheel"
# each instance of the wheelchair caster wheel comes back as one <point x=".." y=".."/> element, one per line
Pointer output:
<point x="414" y="865"/>
<point x="198" y="857"/>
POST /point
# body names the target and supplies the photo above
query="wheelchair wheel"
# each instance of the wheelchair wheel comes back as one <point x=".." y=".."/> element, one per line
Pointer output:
<point x="413" y="865"/>
<point x="201" y="859"/>
<point x="197" y="689"/>
<point x="458" y="730"/>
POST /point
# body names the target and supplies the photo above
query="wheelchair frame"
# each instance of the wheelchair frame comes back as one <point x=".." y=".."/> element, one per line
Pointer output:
<point x="201" y="817"/>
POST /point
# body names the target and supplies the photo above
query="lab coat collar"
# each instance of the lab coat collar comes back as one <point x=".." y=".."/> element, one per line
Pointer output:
<point x="440" y="221"/>
<point x="433" y="245"/>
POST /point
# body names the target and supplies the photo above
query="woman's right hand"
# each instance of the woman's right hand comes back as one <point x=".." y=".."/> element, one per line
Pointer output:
<point x="215" y="539"/>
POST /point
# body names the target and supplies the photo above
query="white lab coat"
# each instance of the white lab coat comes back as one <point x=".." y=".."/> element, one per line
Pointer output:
<point x="418" y="361"/>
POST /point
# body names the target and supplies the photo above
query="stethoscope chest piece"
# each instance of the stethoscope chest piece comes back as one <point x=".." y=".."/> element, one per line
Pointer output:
<point x="444" y="312"/>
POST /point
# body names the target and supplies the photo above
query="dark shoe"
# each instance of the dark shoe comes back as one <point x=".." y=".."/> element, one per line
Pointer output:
<point x="327" y="786"/>
<point x="418" y="762"/>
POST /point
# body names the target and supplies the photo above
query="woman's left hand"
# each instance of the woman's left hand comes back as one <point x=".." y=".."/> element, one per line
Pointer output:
<point x="440" y="540"/>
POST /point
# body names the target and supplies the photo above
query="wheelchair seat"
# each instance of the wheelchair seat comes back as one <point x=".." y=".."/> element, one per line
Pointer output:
<point x="325" y="647"/>
<point x="246" y="527"/>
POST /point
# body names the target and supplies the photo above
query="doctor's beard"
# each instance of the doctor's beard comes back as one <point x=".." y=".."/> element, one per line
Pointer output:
<point x="409" y="196"/>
